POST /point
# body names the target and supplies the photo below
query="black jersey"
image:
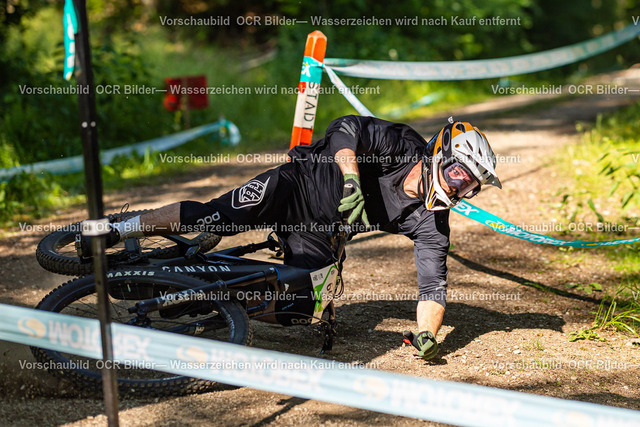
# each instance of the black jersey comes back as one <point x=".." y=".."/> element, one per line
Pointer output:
<point x="385" y="152"/>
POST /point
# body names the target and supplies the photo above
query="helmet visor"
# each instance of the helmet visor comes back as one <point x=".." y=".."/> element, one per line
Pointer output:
<point x="459" y="178"/>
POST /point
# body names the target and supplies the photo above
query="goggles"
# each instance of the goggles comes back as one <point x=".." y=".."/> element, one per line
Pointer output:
<point x="459" y="178"/>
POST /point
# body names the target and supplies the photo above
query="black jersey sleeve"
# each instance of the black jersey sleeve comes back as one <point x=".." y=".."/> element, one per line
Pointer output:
<point x="345" y="132"/>
<point x="429" y="231"/>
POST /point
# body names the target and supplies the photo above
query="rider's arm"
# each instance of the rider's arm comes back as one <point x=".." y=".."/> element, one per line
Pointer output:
<point x="430" y="234"/>
<point x="346" y="161"/>
<point x="344" y="135"/>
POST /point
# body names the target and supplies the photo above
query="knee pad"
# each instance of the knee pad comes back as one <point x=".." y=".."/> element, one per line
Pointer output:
<point x="196" y="216"/>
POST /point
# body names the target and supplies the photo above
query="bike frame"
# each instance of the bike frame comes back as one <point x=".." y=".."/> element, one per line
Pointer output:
<point x="273" y="293"/>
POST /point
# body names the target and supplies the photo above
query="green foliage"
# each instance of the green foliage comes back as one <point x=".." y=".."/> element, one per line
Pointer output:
<point x="620" y="162"/>
<point x="40" y="120"/>
<point x="28" y="195"/>
<point x="585" y="334"/>
<point x="541" y="24"/>
<point x="604" y="169"/>
<point x="537" y="345"/>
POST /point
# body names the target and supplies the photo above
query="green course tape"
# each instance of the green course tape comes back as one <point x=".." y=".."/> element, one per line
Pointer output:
<point x="70" y="25"/>
<point x="501" y="226"/>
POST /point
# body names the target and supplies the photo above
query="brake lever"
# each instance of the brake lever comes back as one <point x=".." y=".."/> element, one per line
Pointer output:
<point x="276" y="244"/>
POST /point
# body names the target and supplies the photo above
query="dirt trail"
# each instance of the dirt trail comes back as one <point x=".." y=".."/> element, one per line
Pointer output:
<point x="499" y="329"/>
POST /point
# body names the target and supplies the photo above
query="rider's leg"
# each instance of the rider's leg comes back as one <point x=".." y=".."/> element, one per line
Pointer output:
<point x="162" y="221"/>
<point x="307" y="248"/>
<point x="429" y="315"/>
<point x="159" y="222"/>
<point x="270" y="198"/>
<point x="262" y="201"/>
<point x="176" y="218"/>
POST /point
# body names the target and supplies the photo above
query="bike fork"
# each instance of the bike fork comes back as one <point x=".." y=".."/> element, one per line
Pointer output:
<point x="329" y="327"/>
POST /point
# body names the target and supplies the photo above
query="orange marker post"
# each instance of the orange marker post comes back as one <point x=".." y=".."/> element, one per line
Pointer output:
<point x="308" y="89"/>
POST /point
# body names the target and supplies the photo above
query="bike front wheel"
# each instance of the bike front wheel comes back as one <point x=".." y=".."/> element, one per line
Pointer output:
<point x="226" y="320"/>
<point x="57" y="252"/>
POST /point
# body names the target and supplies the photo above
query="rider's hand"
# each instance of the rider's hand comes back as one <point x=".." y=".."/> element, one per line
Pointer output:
<point x="354" y="204"/>
<point x="424" y="341"/>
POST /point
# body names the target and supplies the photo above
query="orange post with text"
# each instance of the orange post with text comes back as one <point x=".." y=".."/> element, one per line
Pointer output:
<point x="308" y="89"/>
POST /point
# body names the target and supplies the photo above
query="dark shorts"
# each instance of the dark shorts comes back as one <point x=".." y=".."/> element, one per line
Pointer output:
<point x="277" y="199"/>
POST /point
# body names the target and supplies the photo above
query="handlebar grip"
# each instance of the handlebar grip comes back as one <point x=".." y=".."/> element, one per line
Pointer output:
<point x="348" y="189"/>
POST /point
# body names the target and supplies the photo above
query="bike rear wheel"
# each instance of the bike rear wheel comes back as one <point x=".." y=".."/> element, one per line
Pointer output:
<point x="227" y="320"/>
<point x="57" y="252"/>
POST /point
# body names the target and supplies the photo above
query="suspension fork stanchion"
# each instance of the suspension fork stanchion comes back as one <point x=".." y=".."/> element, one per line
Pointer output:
<point x="341" y="239"/>
<point x="330" y="327"/>
<point x="93" y="182"/>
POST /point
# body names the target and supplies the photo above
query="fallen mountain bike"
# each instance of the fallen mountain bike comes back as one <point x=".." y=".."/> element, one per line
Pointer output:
<point x="211" y="295"/>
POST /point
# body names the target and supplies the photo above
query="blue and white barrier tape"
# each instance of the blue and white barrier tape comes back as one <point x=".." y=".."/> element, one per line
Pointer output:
<point x="501" y="226"/>
<point x="364" y="111"/>
<point x="75" y="163"/>
<point x="483" y="68"/>
<point x="346" y="92"/>
<point x="306" y="377"/>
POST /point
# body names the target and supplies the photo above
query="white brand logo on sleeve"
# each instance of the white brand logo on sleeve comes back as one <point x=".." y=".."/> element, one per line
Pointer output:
<point x="249" y="194"/>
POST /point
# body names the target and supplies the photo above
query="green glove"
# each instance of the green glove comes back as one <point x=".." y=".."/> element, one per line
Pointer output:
<point x="425" y="342"/>
<point x="354" y="204"/>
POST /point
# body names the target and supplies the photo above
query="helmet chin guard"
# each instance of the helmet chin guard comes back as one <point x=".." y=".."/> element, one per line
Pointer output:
<point x="435" y="198"/>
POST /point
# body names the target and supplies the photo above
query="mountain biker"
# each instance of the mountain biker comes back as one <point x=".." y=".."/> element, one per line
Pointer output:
<point x="403" y="185"/>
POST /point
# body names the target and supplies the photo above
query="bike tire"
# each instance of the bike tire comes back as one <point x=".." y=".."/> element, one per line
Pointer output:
<point x="78" y="297"/>
<point x="56" y="251"/>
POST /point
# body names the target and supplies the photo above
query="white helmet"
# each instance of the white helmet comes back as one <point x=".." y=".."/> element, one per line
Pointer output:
<point x="462" y="154"/>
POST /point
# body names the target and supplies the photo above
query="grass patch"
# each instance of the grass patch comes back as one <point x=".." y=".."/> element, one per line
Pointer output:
<point x="618" y="311"/>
